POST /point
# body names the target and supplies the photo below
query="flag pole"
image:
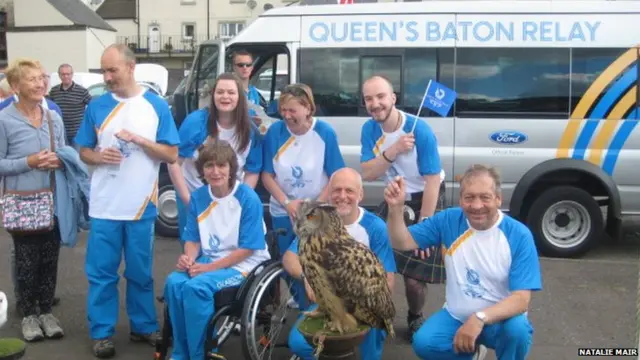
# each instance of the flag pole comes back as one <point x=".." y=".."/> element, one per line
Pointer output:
<point x="420" y="107"/>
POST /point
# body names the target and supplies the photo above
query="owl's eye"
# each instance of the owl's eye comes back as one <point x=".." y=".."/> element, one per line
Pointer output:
<point x="310" y="216"/>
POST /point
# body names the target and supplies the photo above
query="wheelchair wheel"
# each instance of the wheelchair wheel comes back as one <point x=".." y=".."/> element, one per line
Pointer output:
<point x="265" y="316"/>
<point x="219" y="328"/>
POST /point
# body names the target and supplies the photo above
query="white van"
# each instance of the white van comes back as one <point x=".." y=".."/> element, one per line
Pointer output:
<point x="547" y="92"/>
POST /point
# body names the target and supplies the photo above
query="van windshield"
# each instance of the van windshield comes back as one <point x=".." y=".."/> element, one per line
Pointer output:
<point x="264" y="82"/>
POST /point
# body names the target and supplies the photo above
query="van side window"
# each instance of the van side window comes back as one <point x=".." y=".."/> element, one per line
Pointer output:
<point x="512" y="82"/>
<point x="420" y="66"/>
<point x="333" y="74"/>
<point x="336" y="75"/>
<point x="587" y="65"/>
<point x="388" y="66"/>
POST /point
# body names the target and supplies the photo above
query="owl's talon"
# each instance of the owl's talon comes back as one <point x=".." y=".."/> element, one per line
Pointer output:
<point x="314" y="314"/>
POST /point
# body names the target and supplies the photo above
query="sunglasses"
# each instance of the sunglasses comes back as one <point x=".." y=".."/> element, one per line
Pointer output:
<point x="244" y="65"/>
<point x="294" y="90"/>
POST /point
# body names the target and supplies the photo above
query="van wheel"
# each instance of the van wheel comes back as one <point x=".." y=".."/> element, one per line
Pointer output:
<point x="566" y="221"/>
<point x="167" y="222"/>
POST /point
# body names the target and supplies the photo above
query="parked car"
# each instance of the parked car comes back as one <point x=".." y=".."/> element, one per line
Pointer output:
<point x="101" y="88"/>
<point x="154" y="77"/>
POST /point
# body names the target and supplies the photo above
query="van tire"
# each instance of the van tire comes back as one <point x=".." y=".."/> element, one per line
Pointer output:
<point x="566" y="221"/>
<point x="167" y="221"/>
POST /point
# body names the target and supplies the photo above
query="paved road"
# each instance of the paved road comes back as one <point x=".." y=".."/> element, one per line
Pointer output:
<point x="586" y="303"/>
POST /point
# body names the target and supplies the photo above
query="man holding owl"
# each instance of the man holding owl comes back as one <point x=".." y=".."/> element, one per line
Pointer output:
<point x="345" y="193"/>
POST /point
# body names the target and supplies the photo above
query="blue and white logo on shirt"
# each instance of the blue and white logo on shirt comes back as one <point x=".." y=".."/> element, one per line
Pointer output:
<point x="214" y="245"/>
<point x="298" y="177"/>
<point x="126" y="148"/>
<point x="473" y="288"/>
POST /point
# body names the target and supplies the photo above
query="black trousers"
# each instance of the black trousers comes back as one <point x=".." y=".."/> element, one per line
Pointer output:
<point x="37" y="270"/>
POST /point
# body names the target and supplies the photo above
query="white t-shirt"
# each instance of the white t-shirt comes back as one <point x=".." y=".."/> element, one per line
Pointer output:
<point x="222" y="225"/>
<point x="423" y="160"/>
<point x="128" y="191"/>
<point x="193" y="133"/>
<point x="302" y="164"/>
<point x="483" y="267"/>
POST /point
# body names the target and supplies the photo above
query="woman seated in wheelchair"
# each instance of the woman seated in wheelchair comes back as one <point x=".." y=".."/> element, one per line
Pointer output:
<point x="224" y="240"/>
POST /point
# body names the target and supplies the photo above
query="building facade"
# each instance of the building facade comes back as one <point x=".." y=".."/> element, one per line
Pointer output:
<point x="61" y="31"/>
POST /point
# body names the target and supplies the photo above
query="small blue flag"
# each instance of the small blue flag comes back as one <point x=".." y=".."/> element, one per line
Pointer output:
<point x="438" y="98"/>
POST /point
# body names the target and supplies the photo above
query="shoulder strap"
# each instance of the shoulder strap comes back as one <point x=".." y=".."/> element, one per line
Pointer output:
<point x="52" y="148"/>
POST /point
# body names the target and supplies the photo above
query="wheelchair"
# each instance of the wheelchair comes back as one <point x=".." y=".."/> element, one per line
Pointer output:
<point x="250" y="310"/>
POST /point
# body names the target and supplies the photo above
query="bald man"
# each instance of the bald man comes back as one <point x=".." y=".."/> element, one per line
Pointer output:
<point x="345" y="193"/>
<point x="390" y="147"/>
<point x="126" y="133"/>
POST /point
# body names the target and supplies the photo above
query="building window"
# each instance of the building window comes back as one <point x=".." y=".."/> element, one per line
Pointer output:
<point x="512" y="82"/>
<point x="227" y="30"/>
<point x="188" y="31"/>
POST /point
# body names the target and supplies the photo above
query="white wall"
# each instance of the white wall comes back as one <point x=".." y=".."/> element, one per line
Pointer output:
<point x="96" y="41"/>
<point x="45" y="47"/>
<point x="125" y="27"/>
<point x="37" y="13"/>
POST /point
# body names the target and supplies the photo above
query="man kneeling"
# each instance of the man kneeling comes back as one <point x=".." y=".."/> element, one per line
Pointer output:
<point x="225" y="221"/>
<point x="491" y="265"/>
<point x="346" y="192"/>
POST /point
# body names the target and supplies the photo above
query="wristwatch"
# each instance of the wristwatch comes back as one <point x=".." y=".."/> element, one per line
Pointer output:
<point x="286" y="202"/>
<point x="481" y="316"/>
<point x="302" y="277"/>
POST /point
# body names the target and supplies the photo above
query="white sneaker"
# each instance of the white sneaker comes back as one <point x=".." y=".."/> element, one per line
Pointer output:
<point x="51" y="326"/>
<point x="31" y="330"/>
<point x="480" y="353"/>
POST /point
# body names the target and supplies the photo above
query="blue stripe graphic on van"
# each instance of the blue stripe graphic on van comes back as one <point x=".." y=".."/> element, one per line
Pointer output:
<point x="618" y="141"/>
<point x="605" y="104"/>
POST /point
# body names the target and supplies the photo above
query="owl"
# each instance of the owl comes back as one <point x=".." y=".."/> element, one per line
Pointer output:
<point x="347" y="278"/>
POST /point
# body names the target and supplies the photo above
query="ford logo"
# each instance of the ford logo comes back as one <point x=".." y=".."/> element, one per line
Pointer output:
<point x="508" y="137"/>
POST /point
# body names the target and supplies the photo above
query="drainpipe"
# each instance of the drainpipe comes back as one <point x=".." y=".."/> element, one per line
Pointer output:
<point x="137" y="21"/>
<point x="208" y="20"/>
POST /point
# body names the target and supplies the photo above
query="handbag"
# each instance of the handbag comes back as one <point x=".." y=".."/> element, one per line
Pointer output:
<point x="30" y="212"/>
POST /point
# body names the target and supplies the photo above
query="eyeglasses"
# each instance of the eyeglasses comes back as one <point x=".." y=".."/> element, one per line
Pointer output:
<point x="244" y="65"/>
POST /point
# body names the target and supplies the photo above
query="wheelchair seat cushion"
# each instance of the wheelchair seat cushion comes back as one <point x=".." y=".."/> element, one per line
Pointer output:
<point x="226" y="296"/>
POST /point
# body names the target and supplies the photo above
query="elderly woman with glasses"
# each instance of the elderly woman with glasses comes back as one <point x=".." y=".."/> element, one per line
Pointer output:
<point x="26" y="163"/>
<point x="225" y="241"/>
<point x="301" y="153"/>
